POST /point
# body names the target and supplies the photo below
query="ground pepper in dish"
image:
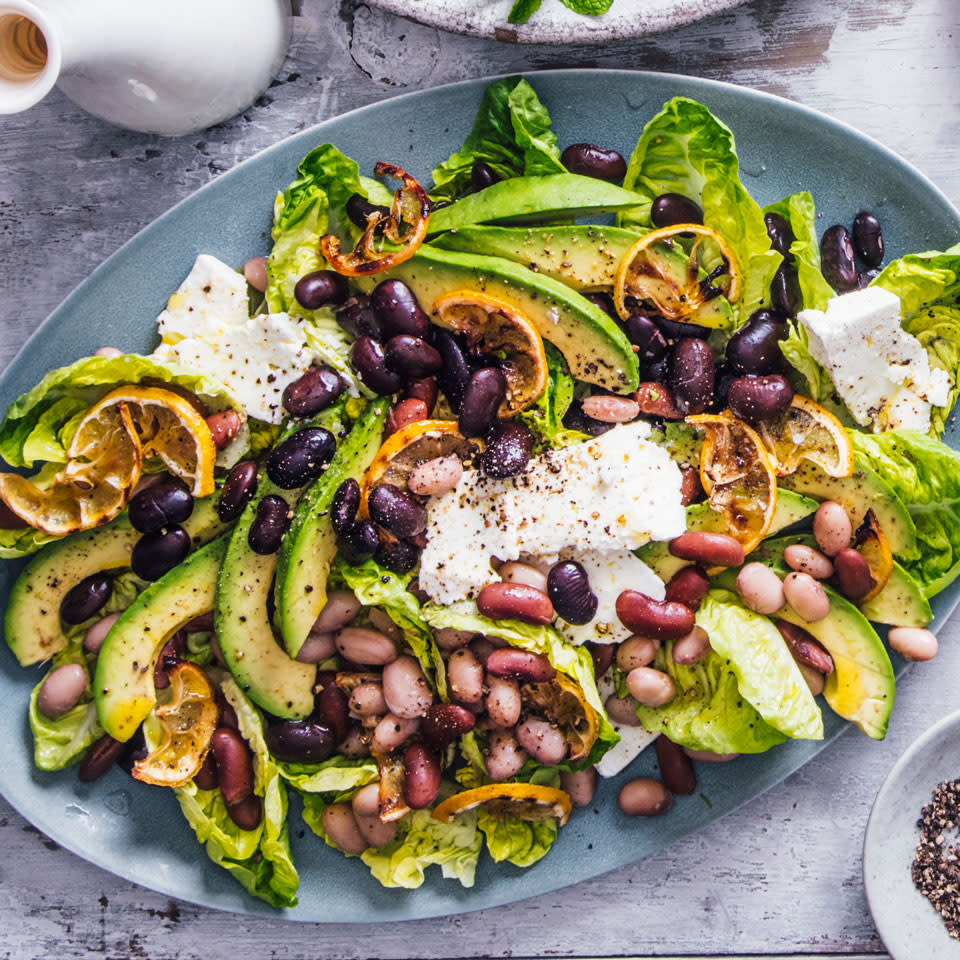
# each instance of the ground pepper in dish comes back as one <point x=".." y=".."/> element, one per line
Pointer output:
<point x="936" y="867"/>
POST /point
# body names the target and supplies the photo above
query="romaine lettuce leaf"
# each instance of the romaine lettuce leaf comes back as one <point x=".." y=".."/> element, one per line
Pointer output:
<point x="545" y="417"/>
<point x="334" y="776"/>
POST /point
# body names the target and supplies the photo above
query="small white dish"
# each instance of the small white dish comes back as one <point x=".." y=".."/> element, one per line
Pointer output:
<point x="909" y="926"/>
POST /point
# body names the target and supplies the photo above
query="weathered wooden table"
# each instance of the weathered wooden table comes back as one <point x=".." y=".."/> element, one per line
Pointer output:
<point x="781" y="876"/>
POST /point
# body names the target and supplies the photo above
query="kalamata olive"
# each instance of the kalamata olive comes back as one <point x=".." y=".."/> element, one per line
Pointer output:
<point x="356" y="317"/>
<point x="411" y="357"/>
<point x="398" y="311"/>
<point x="321" y="288"/>
<point x="369" y="363"/>
<point x="785" y="293"/>
<point x="755" y="347"/>
<point x="85" y="599"/>
<point x="301" y="457"/>
<point x="691" y="375"/>
<point x="154" y="554"/>
<point x="62" y="689"/>
<point x="589" y="160"/>
<point x="568" y="587"/>
<point x="868" y="238"/>
<point x="331" y="708"/>
<point x="482" y="175"/>
<point x="452" y="378"/>
<point x="605" y="302"/>
<point x="358" y="541"/>
<point x="238" y="488"/>
<point x="866" y="277"/>
<point x="643" y="332"/>
<point x="837" y="258"/>
<point x="134" y="750"/>
<point x="671" y="208"/>
<point x="300" y="741"/>
<point x="162" y="503"/>
<point x="99" y="758"/>
<point x="312" y="392"/>
<point x="399" y="556"/>
<point x="269" y="525"/>
<point x="675" y="330"/>
<point x="481" y="399"/>
<point x="508" y="450"/>
<point x="759" y="398"/>
<point x="396" y="510"/>
<point x="780" y="233"/>
<point x="344" y="505"/>
<point x="359" y="208"/>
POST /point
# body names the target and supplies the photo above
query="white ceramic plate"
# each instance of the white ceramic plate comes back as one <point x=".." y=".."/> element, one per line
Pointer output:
<point x="911" y="929"/>
<point x="553" y="22"/>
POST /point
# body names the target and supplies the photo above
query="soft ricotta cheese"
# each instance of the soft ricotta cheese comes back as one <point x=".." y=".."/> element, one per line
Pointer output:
<point x="633" y="740"/>
<point x="881" y="372"/>
<point x="614" y="492"/>
<point x="206" y="328"/>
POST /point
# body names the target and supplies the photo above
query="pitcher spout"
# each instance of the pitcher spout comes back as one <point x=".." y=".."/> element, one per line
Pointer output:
<point x="30" y="55"/>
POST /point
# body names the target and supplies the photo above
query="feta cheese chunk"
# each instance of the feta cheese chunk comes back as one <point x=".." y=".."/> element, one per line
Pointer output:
<point x="615" y="492"/>
<point x="206" y="328"/>
<point x="881" y="372"/>
<point x="633" y="740"/>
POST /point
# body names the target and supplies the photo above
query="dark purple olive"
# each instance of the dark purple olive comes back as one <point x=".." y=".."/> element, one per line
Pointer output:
<point x="411" y="357"/>
<point x="868" y="238"/>
<point x="301" y="457"/>
<point x="269" y="525"/>
<point x="396" y="510"/>
<point x="300" y="741"/>
<point x="81" y="602"/>
<point x="484" y="393"/>
<point x="482" y="175"/>
<point x="99" y="758"/>
<point x="399" y="556"/>
<point x="589" y="160"/>
<point x="238" y="489"/>
<point x="344" y="506"/>
<point x="759" y="398"/>
<point x="691" y="375"/>
<point x="837" y="258"/>
<point x="676" y="330"/>
<point x="398" y="311"/>
<point x="671" y="208"/>
<point x="568" y="587"/>
<point x="331" y="707"/>
<point x="643" y="332"/>
<point x="359" y="541"/>
<point x="162" y="503"/>
<point x="722" y="378"/>
<point x="155" y="554"/>
<point x="359" y="208"/>
<point x="605" y="302"/>
<point x="755" y="347"/>
<point x="134" y="750"/>
<point x="780" y="233"/>
<point x="312" y="392"/>
<point x="321" y="288"/>
<point x="356" y="318"/>
<point x="369" y="363"/>
<point x="576" y="419"/>
<point x="452" y="378"/>
<point x="867" y="277"/>
<point x="508" y="450"/>
<point x="656" y="371"/>
<point x="785" y="294"/>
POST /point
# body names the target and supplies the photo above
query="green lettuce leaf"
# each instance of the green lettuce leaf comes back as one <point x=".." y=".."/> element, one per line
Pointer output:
<point x="925" y="474"/>
<point x="685" y="149"/>
<point x="337" y="775"/>
<point x="19" y="543"/>
<point x="512" y="134"/>
<point x="545" y="417"/>
<point x="523" y="10"/>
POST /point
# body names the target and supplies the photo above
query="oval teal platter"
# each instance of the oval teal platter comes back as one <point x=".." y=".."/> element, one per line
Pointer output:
<point x="137" y="832"/>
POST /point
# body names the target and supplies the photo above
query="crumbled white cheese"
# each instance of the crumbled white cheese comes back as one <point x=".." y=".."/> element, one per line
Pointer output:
<point x="206" y="328"/>
<point x="610" y="573"/>
<point x="614" y="492"/>
<point x="633" y="740"/>
<point x="881" y="372"/>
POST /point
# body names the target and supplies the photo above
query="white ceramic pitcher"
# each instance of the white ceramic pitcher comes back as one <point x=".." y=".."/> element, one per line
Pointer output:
<point x="170" y="67"/>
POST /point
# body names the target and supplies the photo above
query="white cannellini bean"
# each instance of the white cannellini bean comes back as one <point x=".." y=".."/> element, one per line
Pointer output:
<point x="108" y="352"/>
<point x="636" y="652"/>
<point x="341" y="607"/>
<point x="465" y="675"/>
<point x="760" y="588"/>
<point x="622" y="710"/>
<point x="708" y="756"/>
<point x="95" y="635"/>
<point x="693" y="647"/>
<point x="391" y="732"/>
<point x="436" y="476"/>
<point x="515" y="571"/>
<point x="504" y="755"/>
<point x="543" y="741"/>
<point x="61" y="690"/>
<point x="804" y="559"/>
<point x="580" y="784"/>
<point x="405" y="688"/>
<point x="650" y="687"/>
<point x="806" y="596"/>
<point x="611" y="409"/>
<point x="369" y="647"/>
<point x="340" y="825"/>
<point x="383" y="622"/>
<point x="832" y="528"/>
<point x="318" y="646"/>
<point x="366" y="808"/>
<point x="255" y="273"/>
<point x="366" y="700"/>
<point x="913" y="643"/>
<point x="449" y="639"/>
<point x="503" y="701"/>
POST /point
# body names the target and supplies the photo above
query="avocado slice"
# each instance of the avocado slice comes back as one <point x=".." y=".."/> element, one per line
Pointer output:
<point x="863" y="491"/>
<point x="32" y="622"/>
<point x="123" y="684"/>
<point x="309" y="546"/>
<point x="595" y="348"/>
<point x="536" y="199"/>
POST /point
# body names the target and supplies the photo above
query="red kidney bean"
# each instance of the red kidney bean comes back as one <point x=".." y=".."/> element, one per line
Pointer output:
<point x="804" y="647"/>
<point x="435" y="476"/>
<point x="780" y="233"/>
<point x="94" y="637"/>
<point x="913" y="643"/>
<point x="62" y="689"/>
<point x="676" y="770"/>
<point x="482" y="396"/>
<point x="644" y="797"/>
<point x="657" y="400"/>
<point x="224" y="426"/>
<point x="636" y="652"/>
<point x="445" y="722"/>
<point x="692" y="648"/>
<point x="649" y="687"/>
<point x="669" y="209"/>
<point x="206" y="778"/>
<point x="659" y="619"/>
<point x="246" y="814"/>
<point x="237" y="490"/>
<point x="515" y="601"/>
<point x="410" y="410"/>
<point x="406" y="689"/>
<point x="366" y="700"/>
<point x="228" y="716"/>
<point x="155" y="554"/>
<point x="832" y="528"/>
<point x="86" y="599"/>
<point x="807" y="596"/>
<point x="366" y="809"/>
<point x="362" y="645"/>
<point x="453" y="378"/>
<point x="511" y="663"/>
<point x="312" y="392"/>
<point x="688" y="586"/>
<point x="691" y="490"/>
<point x="392" y="732"/>
<point x="424" y="389"/>
<point x="255" y="273"/>
<point x="504" y="755"/>
<point x="622" y="710"/>
<point x="508" y="450"/>
<point x="465" y="676"/>
<point x="344" y="506"/>
<point x="707" y="548"/>
<point x="99" y="758"/>
<point x="422" y="780"/>
<point x="269" y="525"/>
<point x="300" y="741"/>
<point x="760" y="588"/>
<point x="852" y="574"/>
<point x="301" y="457"/>
<point x="755" y="347"/>
<point x="804" y="559"/>
<point x="692" y="375"/>
<point x="368" y="361"/>
<point x="321" y="288"/>
<point x="786" y="297"/>
<point x="503" y="701"/>
<point x="340" y="825"/>
<point x="602" y="654"/>
<point x="330" y="706"/>
<point x="396" y="510"/>
<point x="589" y="160"/>
<point x="580" y="784"/>
<point x="543" y="741"/>
<point x="837" y="258"/>
<point x="868" y="238"/>
<point x="234" y="765"/>
<point x="357" y="318"/>
<point x="608" y="409"/>
<point x="759" y="398"/>
<point x="397" y="309"/>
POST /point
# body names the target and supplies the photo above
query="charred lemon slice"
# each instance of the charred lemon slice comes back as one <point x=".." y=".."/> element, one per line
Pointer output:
<point x="873" y="545"/>
<point x="188" y="717"/>
<point x="561" y="701"/>
<point x="95" y="484"/>
<point x="738" y="475"/>
<point x="685" y="272"/>
<point x="525" y="801"/>
<point x="806" y="431"/>
<point x="498" y="328"/>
